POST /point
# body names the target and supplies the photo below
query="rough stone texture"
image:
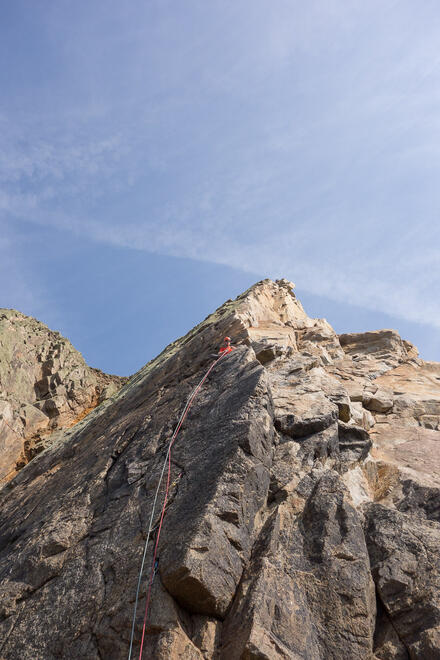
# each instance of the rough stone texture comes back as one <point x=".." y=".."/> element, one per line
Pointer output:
<point x="307" y="592"/>
<point x="405" y="563"/>
<point x="303" y="518"/>
<point x="45" y="384"/>
<point x="354" y="442"/>
<point x="377" y="400"/>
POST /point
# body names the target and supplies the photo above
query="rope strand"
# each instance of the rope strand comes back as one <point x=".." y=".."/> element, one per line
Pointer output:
<point x="150" y="529"/>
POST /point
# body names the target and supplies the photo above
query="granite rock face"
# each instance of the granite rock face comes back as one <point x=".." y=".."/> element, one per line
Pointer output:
<point x="45" y="385"/>
<point x="303" y="511"/>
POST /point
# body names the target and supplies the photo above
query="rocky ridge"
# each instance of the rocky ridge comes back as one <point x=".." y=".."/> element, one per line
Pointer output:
<point x="304" y="508"/>
<point x="45" y="385"/>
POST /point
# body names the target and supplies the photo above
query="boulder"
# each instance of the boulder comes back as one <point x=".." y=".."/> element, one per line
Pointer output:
<point x="378" y="400"/>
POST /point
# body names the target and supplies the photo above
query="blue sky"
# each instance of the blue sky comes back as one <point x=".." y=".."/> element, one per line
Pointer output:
<point x="156" y="158"/>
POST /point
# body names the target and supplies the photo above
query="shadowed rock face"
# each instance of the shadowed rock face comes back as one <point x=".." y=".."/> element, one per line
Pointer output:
<point x="45" y="384"/>
<point x="296" y="527"/>
<point x="405" y="562"/>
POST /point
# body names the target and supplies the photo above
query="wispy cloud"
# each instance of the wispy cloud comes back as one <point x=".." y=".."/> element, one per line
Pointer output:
<point x="18" y="287"/>
<point x="296" y="141"/>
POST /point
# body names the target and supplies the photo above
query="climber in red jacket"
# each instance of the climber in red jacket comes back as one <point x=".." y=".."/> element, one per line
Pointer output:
<point x="226" y="347"/>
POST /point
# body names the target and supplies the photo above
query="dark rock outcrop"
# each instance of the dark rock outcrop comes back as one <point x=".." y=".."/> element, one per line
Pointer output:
<point x="294" y="529"/>
<point x="307" y="591"/>
<point x="405" y="563"/>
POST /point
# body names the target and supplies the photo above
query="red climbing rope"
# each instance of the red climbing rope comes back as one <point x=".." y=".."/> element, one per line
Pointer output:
<point x="2" y="419"/>
<point x="154" y="562"/>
